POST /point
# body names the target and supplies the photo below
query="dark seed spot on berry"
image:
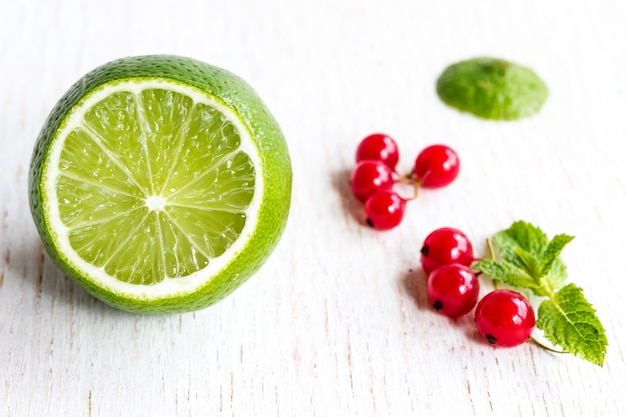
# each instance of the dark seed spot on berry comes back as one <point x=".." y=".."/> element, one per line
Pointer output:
<point x="437" y="305"/>
<point x="369" y="222"/>
<point x="492" y="340"/>
<point x="424" y="250"/>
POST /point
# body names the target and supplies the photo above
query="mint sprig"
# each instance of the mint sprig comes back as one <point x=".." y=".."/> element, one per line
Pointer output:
<point x="530" y="260"/>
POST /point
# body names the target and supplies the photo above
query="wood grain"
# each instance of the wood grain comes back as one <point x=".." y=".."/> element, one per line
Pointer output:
<point x="337" y="322"/>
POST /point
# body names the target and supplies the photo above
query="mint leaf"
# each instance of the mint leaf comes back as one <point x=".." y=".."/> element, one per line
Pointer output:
<point x="558" y="273"/>
<point x="551" y="259"/>
<point x="524" y="236"/>
<point x="527" y="247"/>
<point x="506" y="273"/>
<point x="528" y="261"/>
<point x="570" y="321"/>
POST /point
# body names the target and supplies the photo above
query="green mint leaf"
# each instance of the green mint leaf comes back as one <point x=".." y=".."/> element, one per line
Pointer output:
<point x="569" y="320"/>
<point x="552" y="267"/>
<point x="507" y="273"/>
<point x="527" y="247"/>
<point x="528" y="262"/>
<point x="524" y="236"/>
<point x="555" y="279"/>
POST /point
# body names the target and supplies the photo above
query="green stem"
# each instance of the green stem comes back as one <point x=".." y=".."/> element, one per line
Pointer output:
<point x="492" y="256"/>
<point x="542" y="346"/>
<point x="409" y="179"/>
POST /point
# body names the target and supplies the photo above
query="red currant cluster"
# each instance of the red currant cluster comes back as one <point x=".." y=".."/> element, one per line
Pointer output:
<point x="375" y="176"/>
<point x="503" y="317"/>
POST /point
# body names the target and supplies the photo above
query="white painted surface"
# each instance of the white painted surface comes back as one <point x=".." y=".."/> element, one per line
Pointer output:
<point x="336" y="323"/>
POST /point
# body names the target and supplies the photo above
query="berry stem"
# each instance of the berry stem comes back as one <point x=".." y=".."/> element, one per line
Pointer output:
<point x="492" y="256"/>
<point x="410" y="180"/>
<point x="542" y="346"/>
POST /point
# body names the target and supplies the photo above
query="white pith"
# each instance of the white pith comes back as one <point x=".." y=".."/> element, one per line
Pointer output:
<point x="59" y="232"/>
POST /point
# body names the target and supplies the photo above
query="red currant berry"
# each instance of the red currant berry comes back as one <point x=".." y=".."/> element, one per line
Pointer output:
<point x="436" y="166"/>
<point x="505" y="318"/>
<point x="453" y="290"/>
<point x="378" y="147"/>
<point x="446" y="246"/>
<point x="385" y="210"/>
<point x="369" y="177"/>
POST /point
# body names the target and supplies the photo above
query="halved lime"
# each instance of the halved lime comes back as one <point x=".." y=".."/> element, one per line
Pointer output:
<point x="160" y="183"/>
<point x="492" y="88"/>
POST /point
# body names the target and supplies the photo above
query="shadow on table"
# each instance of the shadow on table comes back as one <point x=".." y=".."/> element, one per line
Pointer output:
<point x="414" y="283"/>
<point x="350" y="206"/>
<point x="49" y="286"/>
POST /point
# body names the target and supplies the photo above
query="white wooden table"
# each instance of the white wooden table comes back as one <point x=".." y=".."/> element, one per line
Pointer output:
<point x="336" y="323"/>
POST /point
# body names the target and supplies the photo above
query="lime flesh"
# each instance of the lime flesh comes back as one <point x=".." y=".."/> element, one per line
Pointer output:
<point x="135" y="185"/>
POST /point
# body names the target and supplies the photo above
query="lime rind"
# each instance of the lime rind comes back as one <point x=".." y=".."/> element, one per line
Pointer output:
<point x="274" y="170"/>
<point x="492" y="88"/>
